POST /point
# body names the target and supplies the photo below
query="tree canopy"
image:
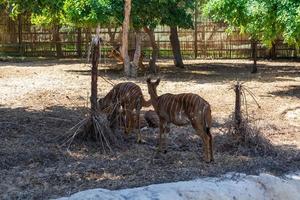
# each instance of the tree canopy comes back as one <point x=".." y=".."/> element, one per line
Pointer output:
<point x="91" y="12"/>
<point x="177" y="13"/>
<point x="88" y="12"/>
<point x="265" y="20"/>
<point x="45" y="12"/>
<point x="157" y="12"/>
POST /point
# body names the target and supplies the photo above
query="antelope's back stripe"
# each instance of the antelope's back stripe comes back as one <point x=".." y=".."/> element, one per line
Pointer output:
<point x="185" y="102"/>
<point x="127" y="93"/>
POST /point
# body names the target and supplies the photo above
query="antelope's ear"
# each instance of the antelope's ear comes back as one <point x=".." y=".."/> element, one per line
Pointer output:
<point x="148" y="80"/>
<point x="157" y="81"/>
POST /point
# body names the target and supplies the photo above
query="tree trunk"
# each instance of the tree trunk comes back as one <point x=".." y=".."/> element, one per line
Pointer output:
<point x="272" y="52"/>
<point x="124" y="51"/>
<point x="155" y="50"/>
<point x="56" y="40"/>
<point x="78" y="43"/>
<point x="176" y="47"/>
<point x="254" y="55"/>
<point x="137" y="53"/>
<point x="112" y="36"/>
<point x="296" y="52"/>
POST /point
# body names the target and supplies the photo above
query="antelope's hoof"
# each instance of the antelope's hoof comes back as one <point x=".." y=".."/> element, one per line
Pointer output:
<point x="141" y="141"/>
<point x="209" y="161"/>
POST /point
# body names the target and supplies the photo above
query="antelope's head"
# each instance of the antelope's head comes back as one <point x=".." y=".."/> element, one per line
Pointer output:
<point x="152" y="86"/>
<point x="104" y="105"/>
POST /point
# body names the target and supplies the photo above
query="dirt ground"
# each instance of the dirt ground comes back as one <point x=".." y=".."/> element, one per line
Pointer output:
<point x="41" y="100"/>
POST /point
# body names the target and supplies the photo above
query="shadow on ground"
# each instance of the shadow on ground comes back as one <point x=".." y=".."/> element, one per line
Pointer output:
<point x="212" y="72"/>
<point x="291" y="91"/>
<point x="34" y="166"/>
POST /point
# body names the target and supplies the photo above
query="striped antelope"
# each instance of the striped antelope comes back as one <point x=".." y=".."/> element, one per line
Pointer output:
<point x="181" y="109"/>
<point x="129" y="96"/>
<point x="116" y="53"/>
<point x="147" y="119"/>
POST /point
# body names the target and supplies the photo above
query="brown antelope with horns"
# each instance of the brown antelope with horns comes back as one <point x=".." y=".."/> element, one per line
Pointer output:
<point x="129" y="96"/>
<point x="181" y="109"/>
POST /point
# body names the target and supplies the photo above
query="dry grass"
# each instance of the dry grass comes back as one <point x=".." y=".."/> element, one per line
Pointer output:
<point x="41" y="101"/>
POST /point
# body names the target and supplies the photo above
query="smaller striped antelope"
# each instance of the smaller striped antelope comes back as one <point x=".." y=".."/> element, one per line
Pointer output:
<point x="116" y="53"/>
<point x="147" y="119"/>
<point x="182" y="109"/>
<point x="129" y="96"/>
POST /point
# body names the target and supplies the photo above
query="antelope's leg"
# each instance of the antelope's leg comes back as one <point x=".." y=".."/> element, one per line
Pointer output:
<point x="130" y="121"/>
<point x="127" y="120"/>
<point x="138" y="110"/>
<point x="165" y="135"/>
<point x="198" y="126"/>
<point x="162" y="128"/>
<point x="210" y="145"/>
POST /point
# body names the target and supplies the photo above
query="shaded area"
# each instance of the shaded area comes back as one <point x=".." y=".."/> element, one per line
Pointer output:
<point x="209" y="72"/>
<point x="38" y="62"/>
<point x="291" y="91"/>
<point x="33" y="165"/>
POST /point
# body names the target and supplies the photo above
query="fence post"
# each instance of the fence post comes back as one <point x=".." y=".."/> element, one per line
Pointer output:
<point x="237" y="110"/>
<point x="204" y="39"/>
<point x="21" y="52"/>
<point x="196" y="32"/>
<point x="78" y="44"/>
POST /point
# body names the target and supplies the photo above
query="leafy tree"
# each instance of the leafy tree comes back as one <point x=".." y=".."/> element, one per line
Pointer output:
<point x="145" y="15"/>
<point x="149" y="14"/>
<point x="177" y="13"/>
<point x="264" y="20"/>
<point x="87" y="12"/>
<point x="44" y="12"/>
<point x="128" y="68"/>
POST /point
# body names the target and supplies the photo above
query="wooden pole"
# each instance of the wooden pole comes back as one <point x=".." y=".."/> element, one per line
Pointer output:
<point x="237" y="111"/>
<point x="95" y="61"/>
<point x="196" y="32"/>
<point x="20" y="35"/>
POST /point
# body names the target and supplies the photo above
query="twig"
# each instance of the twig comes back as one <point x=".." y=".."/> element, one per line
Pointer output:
<point x="253" y="96"/>
<point x="245" y="102"/>
<point x="106" y="80"/>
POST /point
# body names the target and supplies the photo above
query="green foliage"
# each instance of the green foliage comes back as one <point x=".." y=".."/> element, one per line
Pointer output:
<point x="151" y="13"/>
<point x="145" y="13"/>
<point x="266" y="20"/>
<point x="148" y="13"/>
<point x="43" y="12"/>
<point x="177" y="13"/>
<point x="88" y="12"/>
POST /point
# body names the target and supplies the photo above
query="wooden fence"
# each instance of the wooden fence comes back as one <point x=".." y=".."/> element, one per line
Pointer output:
<point x="207" y="40"/>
